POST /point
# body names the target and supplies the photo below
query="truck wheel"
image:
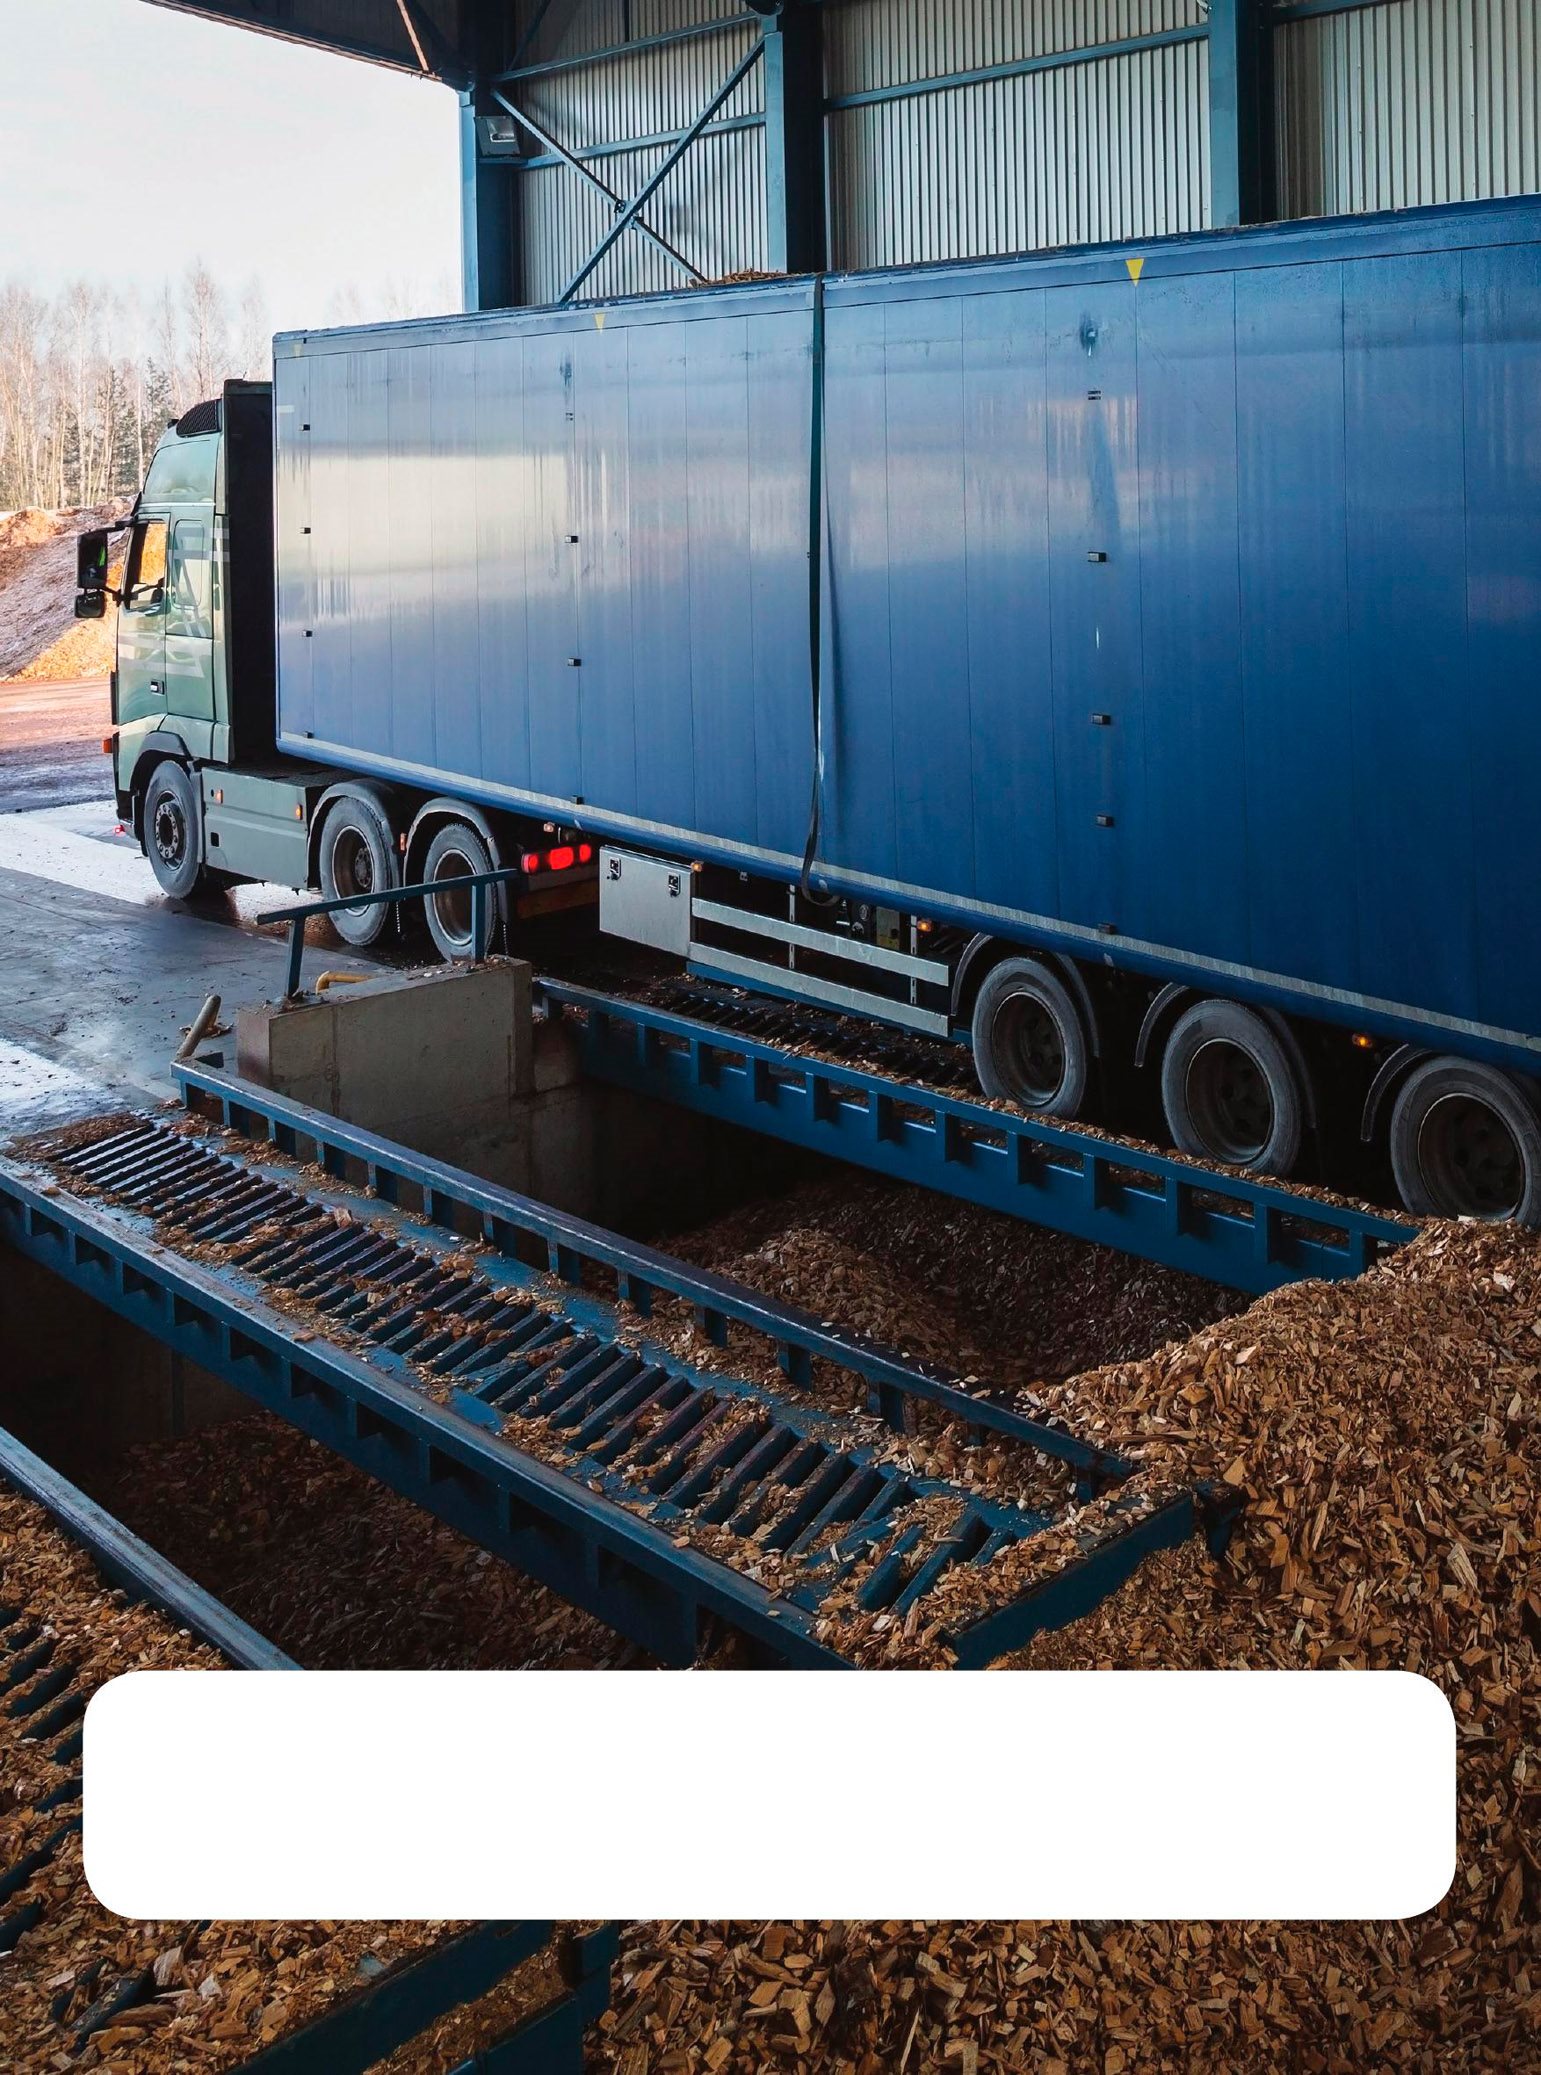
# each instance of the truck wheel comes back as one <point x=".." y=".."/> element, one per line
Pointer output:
<point x="1231" y="1091"/>
<point x="173" y="831"/>
<point x="457" y="852"/>
<point x="356" y="857"/>
<point x="1466" y="1143"/>
<point x="1030" y="1042"/>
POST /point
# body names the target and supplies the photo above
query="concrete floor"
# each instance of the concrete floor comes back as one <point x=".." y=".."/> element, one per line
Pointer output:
<point x="101" y="973"/>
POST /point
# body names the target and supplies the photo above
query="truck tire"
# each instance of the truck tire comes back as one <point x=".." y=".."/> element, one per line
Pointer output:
<point x="356" y="855"/>
<point x="1231" y="1091"/>
<point x="458" y="852"/>
<point x="1031" y="1044"/>
<point x="1466" y="1143"/>
<point x="173" y="831"/>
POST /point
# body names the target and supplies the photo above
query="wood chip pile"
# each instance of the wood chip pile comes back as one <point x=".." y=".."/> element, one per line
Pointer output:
<point x="1385" y="1434"/>
<point x="947" y="1283"/>
<point x="193" y="1996"/>
<point x="335" y="1569"/>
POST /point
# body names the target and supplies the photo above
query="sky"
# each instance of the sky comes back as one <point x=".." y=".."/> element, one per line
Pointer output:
<point x="135" y="140"/>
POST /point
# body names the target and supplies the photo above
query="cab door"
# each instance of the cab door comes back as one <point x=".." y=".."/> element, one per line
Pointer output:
<point x="142" y="624"/>
<point x="189" y="620"/>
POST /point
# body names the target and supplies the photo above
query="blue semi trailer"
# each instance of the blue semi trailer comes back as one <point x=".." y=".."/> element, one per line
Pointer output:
<point x="1117" y="657"/>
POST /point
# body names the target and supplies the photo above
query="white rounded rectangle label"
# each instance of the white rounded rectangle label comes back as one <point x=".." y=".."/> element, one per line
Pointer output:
<point x="770" y="1795"/>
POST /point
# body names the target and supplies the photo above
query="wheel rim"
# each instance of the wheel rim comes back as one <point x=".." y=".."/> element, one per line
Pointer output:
<point x="1029" y="1047"/>
<point x="1470" y="1160"/>
<point x="1230" y="1102"/>
<point x="452" y="910"/>
<point x="169" y="832"/>
<point x="353" y="864"/>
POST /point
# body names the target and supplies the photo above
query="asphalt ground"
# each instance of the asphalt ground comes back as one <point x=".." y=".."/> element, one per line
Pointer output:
<point x="51" y="743"/>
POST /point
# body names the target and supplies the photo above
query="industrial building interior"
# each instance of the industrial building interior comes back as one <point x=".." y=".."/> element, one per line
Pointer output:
<point x="491" y="1178"/>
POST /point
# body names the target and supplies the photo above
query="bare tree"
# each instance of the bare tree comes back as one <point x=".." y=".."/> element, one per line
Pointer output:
<point x="167" y="355"/>
<point x="208" y="331"/>
<point x="88" y="379"/>
<point x="254" y="352"/>
<point x="23" y="327"/>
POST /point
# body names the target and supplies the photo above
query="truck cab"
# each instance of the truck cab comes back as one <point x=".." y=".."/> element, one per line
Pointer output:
<point x="193" y="690"/>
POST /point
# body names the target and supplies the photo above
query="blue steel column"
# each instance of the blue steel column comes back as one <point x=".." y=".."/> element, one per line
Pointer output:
<point x="487" y="259"/>
<point x="794" y="141"/>
<point x="1242" y="181"/>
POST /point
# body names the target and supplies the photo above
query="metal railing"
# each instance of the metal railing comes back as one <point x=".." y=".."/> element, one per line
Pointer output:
<point x="390" y="896"/>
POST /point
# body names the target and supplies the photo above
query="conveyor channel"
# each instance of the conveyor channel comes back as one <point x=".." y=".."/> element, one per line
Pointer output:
<point x="44" y="1697"/>
<point x="447" y="1336"/>
<point x="742" y="1068"/>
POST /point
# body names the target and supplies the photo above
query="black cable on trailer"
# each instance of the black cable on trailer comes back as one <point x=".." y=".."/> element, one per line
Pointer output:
<point x="816" y="601"/>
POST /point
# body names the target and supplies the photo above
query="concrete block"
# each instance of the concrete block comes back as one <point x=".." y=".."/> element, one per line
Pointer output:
<point x="422" y="1053"/>
<point x="291" y="1048"/>
<point x="432" y="1059"/>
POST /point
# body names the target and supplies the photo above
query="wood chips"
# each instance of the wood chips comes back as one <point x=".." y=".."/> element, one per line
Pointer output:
<point x="1385" y="1434"/>
<point x="196" y="1996"/>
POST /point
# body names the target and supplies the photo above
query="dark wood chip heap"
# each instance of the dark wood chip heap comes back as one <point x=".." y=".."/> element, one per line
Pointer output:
<point x="982" y="1296"/>
<point x="333" y="1567"/>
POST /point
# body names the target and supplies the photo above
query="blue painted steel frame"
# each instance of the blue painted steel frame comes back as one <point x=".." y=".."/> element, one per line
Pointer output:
<point x="453" y="1199"/>
<point x="1242" y="177"/>
<point x="363" y="2029"/>
<point x="1249" y="1235"/>
<point x="133" y="1565"/>
<point x="588" y="1549"/>
<point x="562" y="1527"/>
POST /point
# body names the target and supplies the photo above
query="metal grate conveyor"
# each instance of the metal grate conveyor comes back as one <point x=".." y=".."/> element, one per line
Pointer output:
<point x="450" y="1337"/>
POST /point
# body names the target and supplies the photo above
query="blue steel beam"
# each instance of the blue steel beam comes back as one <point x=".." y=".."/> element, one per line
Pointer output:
<point x="656" y="179"/>
<point x="488" y="228"/>
<point x="1017" y="68"/>
<point x="1249" y="1235"/>
<point x="133" y="1565"/>
<point x="362" y="2030"/>
<point x="1242" y="173"/>
<point x="456" y="1200"/>
<point x="796" y="240"/>
<point x="622" y="147"/>
<point x="489" y="225"/>
<point x="590" y="1550"/>
<point x="558" y="152"/>
<point x="639" y="46"/>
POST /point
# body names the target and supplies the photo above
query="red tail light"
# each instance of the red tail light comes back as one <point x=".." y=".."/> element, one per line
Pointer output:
<point x="562" y="859"/>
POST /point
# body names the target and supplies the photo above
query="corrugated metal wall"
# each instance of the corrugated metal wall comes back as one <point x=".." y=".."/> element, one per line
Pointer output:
<point x="1414" y="101"/>
<point x="1379" y="106"/>
<point x="1110" y="147"/>
<point x="711" y="208"/>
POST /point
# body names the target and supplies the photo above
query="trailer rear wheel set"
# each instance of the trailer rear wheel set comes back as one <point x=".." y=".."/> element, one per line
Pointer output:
<point x="1463" y="1138"/>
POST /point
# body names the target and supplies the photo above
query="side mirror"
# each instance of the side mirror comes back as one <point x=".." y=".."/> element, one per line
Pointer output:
<point x="91" y="574"/>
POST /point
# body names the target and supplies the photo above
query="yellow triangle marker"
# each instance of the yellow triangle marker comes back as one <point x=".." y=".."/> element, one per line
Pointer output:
<point x="599" y="320"/>
<point x="1136" y="268"/>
